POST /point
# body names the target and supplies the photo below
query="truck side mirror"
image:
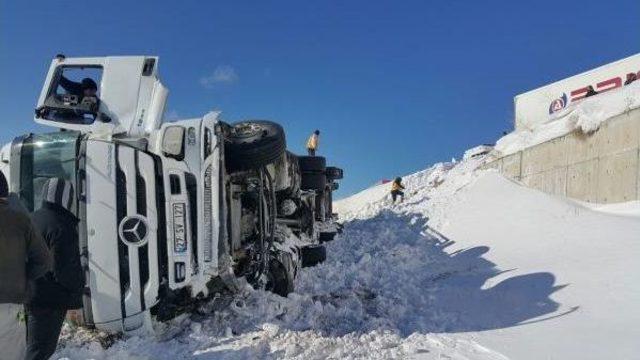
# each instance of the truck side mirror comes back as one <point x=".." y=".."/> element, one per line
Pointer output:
<point x="173" y="142"/>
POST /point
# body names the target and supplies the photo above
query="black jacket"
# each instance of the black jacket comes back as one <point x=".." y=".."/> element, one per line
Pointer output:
<point x="62" y="287"/>
<point x="23" y="254"/>
<point x="72" y="87"/>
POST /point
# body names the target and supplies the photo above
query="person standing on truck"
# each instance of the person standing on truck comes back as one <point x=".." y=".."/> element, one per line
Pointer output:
<point x="61" y="288"/>
<point x="312" y="143"/>
<point x="23" y="257"/>
<point x="396" y="190"/>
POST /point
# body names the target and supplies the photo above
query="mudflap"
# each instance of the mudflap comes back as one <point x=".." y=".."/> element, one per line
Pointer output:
<point x="313" y="255"/>
<point x="327" y="236"/>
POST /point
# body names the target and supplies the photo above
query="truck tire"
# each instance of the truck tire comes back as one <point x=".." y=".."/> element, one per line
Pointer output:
<point x="313" y="255"/>
<point x="313" y="181"/>
<point x="312" y="163"/>
<point x="334" y="173"/>
<point x="279" y="282"/>
<point x="253" y="144"/>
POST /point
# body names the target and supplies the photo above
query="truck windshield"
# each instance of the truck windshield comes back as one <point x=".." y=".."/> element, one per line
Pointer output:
<point x="46" y="156"/>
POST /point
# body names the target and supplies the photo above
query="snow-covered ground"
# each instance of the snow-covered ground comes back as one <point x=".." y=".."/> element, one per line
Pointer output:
<point x="470" y="266"/>
<point x="629" y="208"/>
<point x="545" y="277"/>
<point x="584" y="116"/>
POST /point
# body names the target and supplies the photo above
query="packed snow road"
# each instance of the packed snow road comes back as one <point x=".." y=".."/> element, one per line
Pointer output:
<point x="471" y="266"/>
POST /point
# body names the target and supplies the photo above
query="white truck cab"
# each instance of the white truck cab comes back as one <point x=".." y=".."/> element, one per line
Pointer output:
<point x="129" y="98"/>
<point x="168" y="211"/>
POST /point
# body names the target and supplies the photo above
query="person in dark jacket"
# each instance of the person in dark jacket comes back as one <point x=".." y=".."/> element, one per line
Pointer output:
<point x="61" y="289"/>
<point x="86" y="93"/>
<point x="396" y="190"/>
<point x="590" y="91"/>
<point x="23" y="257"/>
<point x="87" y="87"/>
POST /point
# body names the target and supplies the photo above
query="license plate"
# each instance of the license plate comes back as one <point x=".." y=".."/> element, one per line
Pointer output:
<point x="179" y="228"/>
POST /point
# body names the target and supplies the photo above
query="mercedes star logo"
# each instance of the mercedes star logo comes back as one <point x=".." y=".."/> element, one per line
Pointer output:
<point x="133" y="230"/>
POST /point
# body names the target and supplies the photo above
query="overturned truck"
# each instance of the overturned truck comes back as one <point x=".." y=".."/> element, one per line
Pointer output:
<point x="170" y="212"/>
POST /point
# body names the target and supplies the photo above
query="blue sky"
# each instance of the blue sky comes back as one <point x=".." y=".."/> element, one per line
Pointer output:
<point x="394" y="86"/>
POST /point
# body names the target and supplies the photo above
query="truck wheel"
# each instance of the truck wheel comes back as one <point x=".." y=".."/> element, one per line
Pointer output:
<point x="313" y="255"/>
<point x="312" y="163"/>
<point x="334" y="173"/>
<point x="327" y="236"/>
<point x="313" y="181"/>
<point x="253" y="144"/>
<point x="279" y="281"/>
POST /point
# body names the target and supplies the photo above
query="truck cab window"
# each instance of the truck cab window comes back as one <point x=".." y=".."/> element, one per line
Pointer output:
<point x="74" y="96"/>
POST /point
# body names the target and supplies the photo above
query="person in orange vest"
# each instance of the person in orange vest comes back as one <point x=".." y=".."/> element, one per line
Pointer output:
<point x="312" y="143"/>
<point x="396" y="189"/>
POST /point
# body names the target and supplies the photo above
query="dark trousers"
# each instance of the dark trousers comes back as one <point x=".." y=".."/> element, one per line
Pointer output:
<point x="312" y="152"/>
<point x="43" y="330"/>
<point x="395" y="193"/>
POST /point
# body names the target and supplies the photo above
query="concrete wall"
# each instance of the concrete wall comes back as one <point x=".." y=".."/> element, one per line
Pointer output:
<point x="602" y="167"/>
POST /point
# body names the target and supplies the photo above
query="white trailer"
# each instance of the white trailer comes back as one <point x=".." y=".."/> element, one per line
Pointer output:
<point x="547" y="103"/>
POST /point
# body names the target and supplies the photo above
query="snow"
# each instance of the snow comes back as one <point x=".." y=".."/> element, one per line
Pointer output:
<point x="565" y="276"/>
<point x="477" y="151"/>
<point x="584" y="116"/>
<point x="629" y="208"/>
<point x="577" y="265"/>
<point x="470" y="266"/>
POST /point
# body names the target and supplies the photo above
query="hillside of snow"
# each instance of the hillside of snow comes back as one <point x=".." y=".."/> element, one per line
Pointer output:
<point x="554" y="278"/>
<point x="470" y="266"/>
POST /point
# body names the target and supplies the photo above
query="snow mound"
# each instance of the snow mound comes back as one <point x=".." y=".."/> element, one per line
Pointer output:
<point x="370" y="201"/>
<point x="585" y="116"/>
<point x="470" y="266"/>
<point x="477" y="151"/>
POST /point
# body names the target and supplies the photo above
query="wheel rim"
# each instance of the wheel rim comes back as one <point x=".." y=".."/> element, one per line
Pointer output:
<point x="246" y="130"/>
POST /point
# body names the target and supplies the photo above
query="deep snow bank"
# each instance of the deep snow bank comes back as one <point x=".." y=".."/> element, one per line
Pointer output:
<point x="470" y="266"/>
<point x="567" y="280"/>
<point x="589" y="262"/>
